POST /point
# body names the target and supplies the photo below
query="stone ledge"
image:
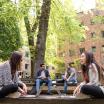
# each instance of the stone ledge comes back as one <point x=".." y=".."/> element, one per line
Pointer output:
<point x="70" y="89"/>
<point x="50" y="101"/>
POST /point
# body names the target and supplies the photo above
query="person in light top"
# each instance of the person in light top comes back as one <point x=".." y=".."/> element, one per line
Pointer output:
<point x="43" y="76"/>
<point x="70" y="76"/>
<point x="91" y="77"/>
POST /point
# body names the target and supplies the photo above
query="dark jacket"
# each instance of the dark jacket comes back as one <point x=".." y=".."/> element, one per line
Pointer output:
<point x="46" y="73"/>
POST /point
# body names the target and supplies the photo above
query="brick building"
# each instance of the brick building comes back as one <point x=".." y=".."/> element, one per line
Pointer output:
<point x="94" y="38"/>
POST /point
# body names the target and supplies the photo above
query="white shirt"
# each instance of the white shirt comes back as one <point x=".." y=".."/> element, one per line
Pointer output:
<point x="43" y="74"/>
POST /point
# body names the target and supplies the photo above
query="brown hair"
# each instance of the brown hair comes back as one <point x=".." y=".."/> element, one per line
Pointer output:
<point x="42" y="64"/>
<point x="15" y="61"/>
<point x="85" y="68"/>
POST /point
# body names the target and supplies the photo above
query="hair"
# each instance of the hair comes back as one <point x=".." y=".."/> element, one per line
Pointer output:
<point x="41" y="65"/>
<point x="15" y="61"/>
<point x="85" y="68"/>
<point x="71" y="63"/>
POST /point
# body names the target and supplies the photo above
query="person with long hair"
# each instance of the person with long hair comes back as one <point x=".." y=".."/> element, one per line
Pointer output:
<point x="9" y="80"/>
<point x="91" y="76"/>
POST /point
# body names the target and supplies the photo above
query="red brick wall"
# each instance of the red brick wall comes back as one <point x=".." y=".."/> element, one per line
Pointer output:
<point x="89" y="42"/>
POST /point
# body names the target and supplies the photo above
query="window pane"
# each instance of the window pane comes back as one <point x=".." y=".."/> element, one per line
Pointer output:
<point x="102" y="33"/>
<point x="93" y="49"/>
<point x="81" y="50"/>
<point x="102" y="48"/>
<point x="93" y="35"/>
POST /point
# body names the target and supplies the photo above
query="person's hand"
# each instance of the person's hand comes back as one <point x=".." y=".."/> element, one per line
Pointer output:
<point x="65" y="78"/>
<point x="39" y="77"/>
<point x="43" y="78"/>
<point x="21" y="91"/>
<point x="24" y="88"/>
<point x="76" y="91"/>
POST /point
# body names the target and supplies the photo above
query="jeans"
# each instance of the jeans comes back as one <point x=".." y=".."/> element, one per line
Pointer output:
<point x="39" y="82"/>
<point x="65" y="84"/>
<point x="7" y="89"/>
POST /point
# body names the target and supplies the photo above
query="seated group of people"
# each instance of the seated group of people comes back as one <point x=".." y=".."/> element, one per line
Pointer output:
<point x="43" y="76"/>
<point x="10" y="82"/>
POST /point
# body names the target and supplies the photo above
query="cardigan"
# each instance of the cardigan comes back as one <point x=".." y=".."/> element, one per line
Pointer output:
<point x="6" y="77"/>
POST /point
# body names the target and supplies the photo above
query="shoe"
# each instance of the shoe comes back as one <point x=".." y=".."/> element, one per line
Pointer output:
<point x="49" y="93"/>
<point x="64" y="94"/>
<point x="38" y="93"/>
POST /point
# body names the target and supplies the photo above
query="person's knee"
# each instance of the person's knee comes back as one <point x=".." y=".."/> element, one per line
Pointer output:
<point x="49" y="81"/>
<point x="83" y="89"/>
<point x="37" y="80"/>
<point x="15" y="87"/>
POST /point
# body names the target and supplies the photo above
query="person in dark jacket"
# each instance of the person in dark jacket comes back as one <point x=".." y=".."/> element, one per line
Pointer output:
<point x="43" y="77"/>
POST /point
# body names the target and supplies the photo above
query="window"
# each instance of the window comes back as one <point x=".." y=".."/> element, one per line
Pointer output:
<point x="93" y="35"/>
<point x="102" y="33"/>
<point x="26" y="66"/>
<point x="102" y="48"/>
<point x="92" y="21"/>
<point x="27" y="54"/>
<point x="102" y="60"/>
<point x="81" y="50"/>
<point x="93" y="48"/>
<point x="71" y="52"/>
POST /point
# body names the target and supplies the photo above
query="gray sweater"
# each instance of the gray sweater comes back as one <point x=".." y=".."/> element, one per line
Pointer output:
<point x="5" y="75"/>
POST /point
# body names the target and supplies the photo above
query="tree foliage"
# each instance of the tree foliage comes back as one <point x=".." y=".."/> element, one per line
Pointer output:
<point x="10" y="15"/>
<point x="64" y="26"/>
<point x="9" y="31"/>
<point x="64" y="21"/>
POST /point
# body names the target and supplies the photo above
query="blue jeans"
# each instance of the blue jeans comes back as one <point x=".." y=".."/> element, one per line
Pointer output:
<point x="65" y="84"/>
<point x="39" y="82"/>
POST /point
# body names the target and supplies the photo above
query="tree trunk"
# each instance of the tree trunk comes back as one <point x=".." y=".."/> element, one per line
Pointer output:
<point x="30" y="42"/>
<point x="42" y="35"/>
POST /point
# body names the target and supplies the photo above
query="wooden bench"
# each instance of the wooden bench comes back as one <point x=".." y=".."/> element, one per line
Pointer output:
<point x="57" y="88"/>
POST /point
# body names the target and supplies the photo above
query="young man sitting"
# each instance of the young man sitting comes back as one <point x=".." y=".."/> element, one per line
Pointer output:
<point x="43" y="77"/>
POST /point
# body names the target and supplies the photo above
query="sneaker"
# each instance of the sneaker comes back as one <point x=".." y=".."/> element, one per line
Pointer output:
<point x="38" y="93"/>
<point x="64" y="94"/>
<point x="49" y="93"/>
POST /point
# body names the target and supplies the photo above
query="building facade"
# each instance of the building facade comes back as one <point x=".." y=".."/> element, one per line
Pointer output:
<point x="26" y="63"/>
<point x="94" y="41"/>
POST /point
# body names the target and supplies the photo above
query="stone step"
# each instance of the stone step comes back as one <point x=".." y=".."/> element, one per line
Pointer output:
<point x="51" y="100"/>
<point x="44" y="89"/>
